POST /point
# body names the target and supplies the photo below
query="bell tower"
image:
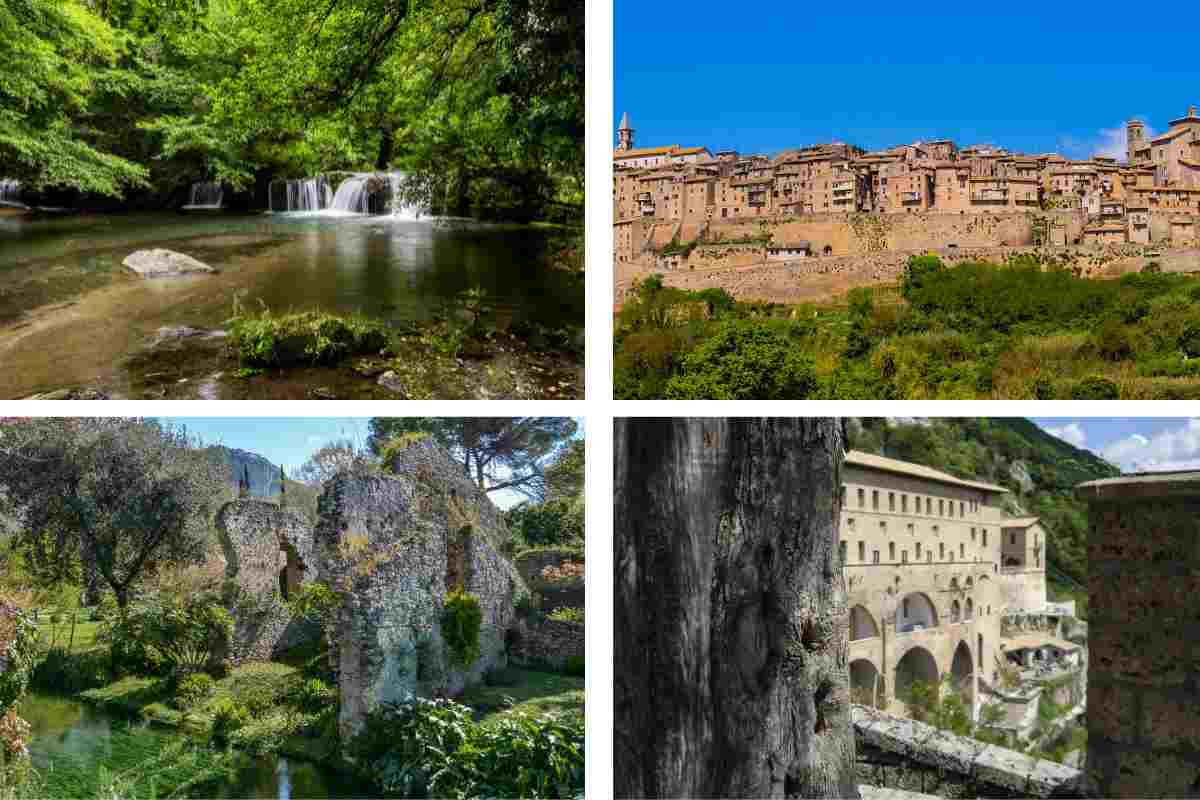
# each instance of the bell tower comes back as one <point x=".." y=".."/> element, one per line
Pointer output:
<point x="624" y="134"/>
<point x="1135" y="138"/>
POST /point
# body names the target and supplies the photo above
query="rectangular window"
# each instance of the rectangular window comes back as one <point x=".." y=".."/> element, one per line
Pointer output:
<point x="862" y="552"/>
<point x="962" y="549"/>
<point x="983" y="533"/>
<point x="891" y="551"/>
<point x="961" y="509"/>
<point x="875" y="555"/>
<point x="904" y="503"/>
<point x="918" y="551"/>
<point x="875" y="500"/>
<point x="904" y="556"/>
<point x="972" y="534"/>
<point x="941" y="550"/>
<point x="1012" y="538"/>
<point x="941" y="508"/>
<point x="891" y="501"/>
<point x="862" y="498"/>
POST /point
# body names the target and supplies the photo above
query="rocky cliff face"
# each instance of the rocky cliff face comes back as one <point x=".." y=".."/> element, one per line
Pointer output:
<point x="264" y="476"/>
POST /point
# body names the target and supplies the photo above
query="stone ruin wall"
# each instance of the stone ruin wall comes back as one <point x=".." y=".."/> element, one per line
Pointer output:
<point x="548" y="643"/>
<point x="1144" y="625"/>
<point x="261" y="540"/>
<point x="908" y="755"/>
<point x="388" y="544"/>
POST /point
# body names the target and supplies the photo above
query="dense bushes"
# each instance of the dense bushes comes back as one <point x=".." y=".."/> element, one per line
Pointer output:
<point x="433" y="748"/>
<point x="63" y="672"/>
<point x="1017" y="330"/>
<point x="167" y="636"/>
<point x="191" y="690"/>
<point x="310" y="337"/>
<point x="461" y="621"/>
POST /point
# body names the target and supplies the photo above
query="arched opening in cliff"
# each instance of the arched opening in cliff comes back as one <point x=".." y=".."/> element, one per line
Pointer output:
<point x="916" y="612"/>
<point x="862" y="624"/>
<point x="917" y="666"/>
<point x="962" y="674"/>
<point x="867" y="686"/>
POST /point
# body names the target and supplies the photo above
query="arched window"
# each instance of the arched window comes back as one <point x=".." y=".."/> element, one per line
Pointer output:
<point x="970" y="612"/>
<point x="955" y="611"/>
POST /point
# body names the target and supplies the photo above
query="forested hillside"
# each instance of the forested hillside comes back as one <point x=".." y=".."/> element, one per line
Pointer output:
<point x="1039" y="469"/>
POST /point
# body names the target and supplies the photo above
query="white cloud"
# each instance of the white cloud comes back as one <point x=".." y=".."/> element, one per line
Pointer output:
<point x="1108" y="142"/>
<point x="1071" y="434"/>
<point x="1167" y="450"/>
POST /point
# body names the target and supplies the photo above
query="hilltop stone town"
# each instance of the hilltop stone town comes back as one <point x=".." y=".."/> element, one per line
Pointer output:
<point x="842" y="216"/>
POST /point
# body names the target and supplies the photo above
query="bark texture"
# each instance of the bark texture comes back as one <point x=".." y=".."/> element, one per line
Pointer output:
<point x="731" y="626"/>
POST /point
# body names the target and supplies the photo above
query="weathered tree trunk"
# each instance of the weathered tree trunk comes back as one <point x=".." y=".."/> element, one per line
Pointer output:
<point x="730" y="617"/>
<point x="91" y="574"/>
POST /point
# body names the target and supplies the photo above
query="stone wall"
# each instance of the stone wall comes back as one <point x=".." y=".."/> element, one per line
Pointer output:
<point x="910" y="755"/>
<point x="384" y="544"/>
<point x="548" y="643"/>
<point x="266" y="548"/>
<point x="558" y="594"/>
<point x="1144" y="625"/>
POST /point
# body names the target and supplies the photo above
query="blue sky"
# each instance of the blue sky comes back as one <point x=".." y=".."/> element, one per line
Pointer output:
<point x="290" y="441"/>
<point x="1134" y="445"/>
<point x="1032" y="77"/>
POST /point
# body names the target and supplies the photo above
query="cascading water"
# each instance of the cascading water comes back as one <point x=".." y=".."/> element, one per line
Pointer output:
<point x="353" y="195"/>
<point x="209" y="195"/>
<point x="303" y="195"/>
<point x="10" y="193"/>
<point x="399" y="208"/>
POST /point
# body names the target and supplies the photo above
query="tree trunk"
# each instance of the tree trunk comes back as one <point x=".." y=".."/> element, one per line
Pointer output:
<point x="387" y="144"/>
<point x="91" y="574"/>
<point x="731" y="627"/>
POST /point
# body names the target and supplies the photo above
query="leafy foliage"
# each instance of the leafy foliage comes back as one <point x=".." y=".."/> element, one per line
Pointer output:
<point x="461" y="621"/>
<point x="192" y="690"/>
<point x="165" y="635"/>
<point x="310" y="337"/>
<point x="744" y="361"/>
<point x="496" y="452"/>
<point x="567" y="614"/>
<point x="433" y="748"/>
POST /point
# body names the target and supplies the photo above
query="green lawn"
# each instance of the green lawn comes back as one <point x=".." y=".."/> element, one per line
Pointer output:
<point x="526" y="690"/>
<point x="59" y="634"/>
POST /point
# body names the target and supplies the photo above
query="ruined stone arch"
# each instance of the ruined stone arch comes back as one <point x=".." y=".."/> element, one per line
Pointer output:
<point x="867" y="685"/>
<point x="917" y="665"/>
<point x="915" y="609"/>
<point x="862" y="624"/>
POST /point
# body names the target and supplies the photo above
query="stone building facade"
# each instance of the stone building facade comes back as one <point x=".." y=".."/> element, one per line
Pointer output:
<point x="1144" y="629"/>
<point x="392" y="546"/>
<point x="932" y="563"/>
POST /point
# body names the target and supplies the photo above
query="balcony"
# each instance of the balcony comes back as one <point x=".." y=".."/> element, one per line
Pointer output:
<point x="910" y="197"/>
<point x="648" y="210"/>
<point x="990" y="195"/>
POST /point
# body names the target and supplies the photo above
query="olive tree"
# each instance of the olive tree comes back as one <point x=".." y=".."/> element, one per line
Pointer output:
<point x="124" y="496"/>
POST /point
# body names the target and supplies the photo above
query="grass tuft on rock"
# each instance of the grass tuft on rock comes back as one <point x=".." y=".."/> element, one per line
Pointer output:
<point x="307" y="337"/>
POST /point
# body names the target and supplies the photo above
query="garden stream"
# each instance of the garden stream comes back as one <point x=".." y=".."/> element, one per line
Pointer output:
<point x="73" y="318"/>
<point x="78" y="750"/>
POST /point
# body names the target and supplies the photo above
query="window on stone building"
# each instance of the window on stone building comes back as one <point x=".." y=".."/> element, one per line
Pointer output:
<point x="972" y="534"/>
<point x="962" y="549"/>
<point x="941" y="508"/>
<point x="862" y="552"/>
<point x="891" y="501"/>
<point x="862" y="498"/>
<point x="951" y="556"/>
<point x="941" y="550"/>
<point x="983" y="533"/>
<point x="891" y="551"/>
<point x="1012" y="538"/>
<point x="874" y="500"/>
<point x="961" y="509"/>
<point x="875" y="556"/>
<point x="904" y="556"/>
<point x="904" y="503"/>
<point x="918" y="546"/>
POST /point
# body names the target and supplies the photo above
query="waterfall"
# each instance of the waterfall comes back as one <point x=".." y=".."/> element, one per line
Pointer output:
<point x="399" y="208"/>
<point x="10" y="193"/>
<point x="206" y="195"/>
<point x="353" y="195"/>
<point x="305" y="194"/>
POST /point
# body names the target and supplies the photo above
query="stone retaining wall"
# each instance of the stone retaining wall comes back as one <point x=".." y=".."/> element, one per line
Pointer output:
<point x="910" y="755"/>
<point x="1144" y="625"/>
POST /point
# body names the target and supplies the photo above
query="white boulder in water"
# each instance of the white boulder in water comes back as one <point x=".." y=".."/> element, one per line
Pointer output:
<point x="159" y="263"/>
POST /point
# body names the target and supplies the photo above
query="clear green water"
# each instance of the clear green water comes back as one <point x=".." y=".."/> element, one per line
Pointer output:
<point x="72" y="315"/>
<point x="77" y="750"/>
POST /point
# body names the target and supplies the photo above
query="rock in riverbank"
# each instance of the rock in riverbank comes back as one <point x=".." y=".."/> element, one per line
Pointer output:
<point x="159" y="263"/>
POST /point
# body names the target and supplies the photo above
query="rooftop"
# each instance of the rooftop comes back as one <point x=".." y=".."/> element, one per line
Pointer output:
<point x="858" y="458"/>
